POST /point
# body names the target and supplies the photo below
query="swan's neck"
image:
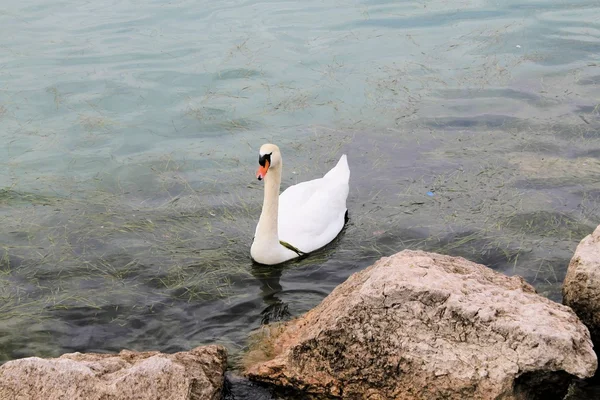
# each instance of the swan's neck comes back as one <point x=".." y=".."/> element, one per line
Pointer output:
<point x="267" y="229"/>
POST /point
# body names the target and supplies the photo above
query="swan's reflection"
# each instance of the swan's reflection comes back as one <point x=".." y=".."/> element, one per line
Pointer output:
<point x="270" y="286"/>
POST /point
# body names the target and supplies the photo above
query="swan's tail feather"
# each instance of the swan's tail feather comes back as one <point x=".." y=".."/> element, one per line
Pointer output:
<point x="341" y="171"/>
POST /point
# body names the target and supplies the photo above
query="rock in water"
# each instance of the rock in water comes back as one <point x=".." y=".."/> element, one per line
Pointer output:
<point x="426" y="326"/>
<point x="195" y="375"/>
<point x="581" y="289"/>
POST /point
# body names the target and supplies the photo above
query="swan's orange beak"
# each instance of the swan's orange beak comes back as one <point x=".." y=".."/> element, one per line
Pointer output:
<point x="262" y="171"/>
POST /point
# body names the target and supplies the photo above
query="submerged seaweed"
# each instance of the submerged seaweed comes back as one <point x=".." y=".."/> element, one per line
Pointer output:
<point x="135" y="263"/>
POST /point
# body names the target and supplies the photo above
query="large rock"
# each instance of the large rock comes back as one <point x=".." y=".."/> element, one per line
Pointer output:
<point x="425" y="326"/>
<point x="581" y="289"/>
<point x="197" y="374"/>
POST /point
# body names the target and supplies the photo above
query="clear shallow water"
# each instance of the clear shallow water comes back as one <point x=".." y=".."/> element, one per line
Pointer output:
<point x="130" y="130"/>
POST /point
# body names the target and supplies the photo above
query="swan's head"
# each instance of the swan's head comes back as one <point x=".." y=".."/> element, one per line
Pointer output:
<point x="268" y="157"/>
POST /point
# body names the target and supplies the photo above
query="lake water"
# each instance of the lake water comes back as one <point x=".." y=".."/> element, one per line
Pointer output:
<point x="130" y="132"/>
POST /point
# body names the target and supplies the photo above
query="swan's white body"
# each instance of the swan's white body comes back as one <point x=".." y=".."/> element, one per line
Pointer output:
<point x="307" y="216"/>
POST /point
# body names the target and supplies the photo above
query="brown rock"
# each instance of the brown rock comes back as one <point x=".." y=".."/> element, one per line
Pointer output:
<point x="425" y="326"/>
<point x="581" y="289"/>
<point x="197" y="374"/>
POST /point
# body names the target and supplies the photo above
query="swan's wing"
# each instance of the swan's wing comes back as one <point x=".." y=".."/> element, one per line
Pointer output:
<point x="316" y="222"/>
<point x="312" y="213"/>
<point x="297" y="196"/>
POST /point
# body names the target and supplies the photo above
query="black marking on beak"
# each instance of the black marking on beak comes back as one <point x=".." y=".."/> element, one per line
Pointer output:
<point x="262" y="159"/>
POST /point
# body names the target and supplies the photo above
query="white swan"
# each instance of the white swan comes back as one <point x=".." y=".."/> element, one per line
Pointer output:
<point x="305" y="217"/>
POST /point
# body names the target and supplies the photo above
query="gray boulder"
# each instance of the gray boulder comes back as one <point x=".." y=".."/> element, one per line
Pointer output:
<point x="191" y="375"/>
<point x="581" y="289"/>
<point x="426" y="326"/>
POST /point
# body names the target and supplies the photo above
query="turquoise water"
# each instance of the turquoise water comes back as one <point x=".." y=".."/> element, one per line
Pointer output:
<point x="130" y="134"/>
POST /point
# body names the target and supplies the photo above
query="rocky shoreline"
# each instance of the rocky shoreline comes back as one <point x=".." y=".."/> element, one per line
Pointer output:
<point x="415" y="325"/>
